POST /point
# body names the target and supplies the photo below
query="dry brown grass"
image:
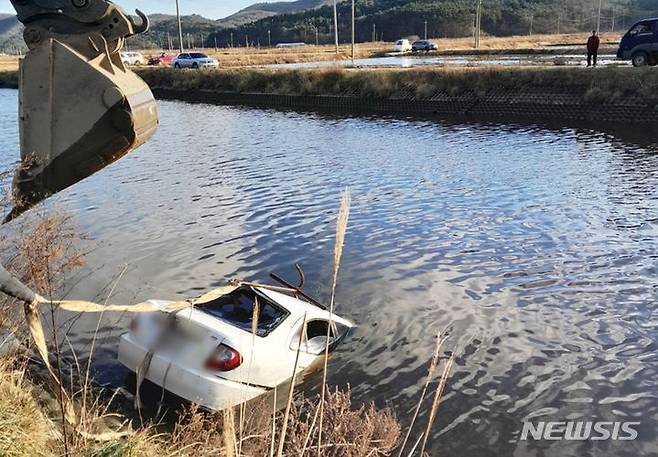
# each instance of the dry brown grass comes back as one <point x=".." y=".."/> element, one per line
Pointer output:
<point x="603" y="84"/>
<point x="243" y="57"/>
<point x="529" y="42"/>
<point x="350" y="432"/>
<point x="25" y="431"/>
<point x="8" y="63"/>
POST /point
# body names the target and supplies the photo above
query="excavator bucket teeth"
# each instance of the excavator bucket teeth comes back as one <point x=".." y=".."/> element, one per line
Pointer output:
<point x="76" y="116"/>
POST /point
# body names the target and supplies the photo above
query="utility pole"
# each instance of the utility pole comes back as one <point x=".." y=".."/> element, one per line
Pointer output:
<point x="532" y="20"/>
<point x="336" y="26"/>
<point x="598" y="21"/>
<point x="353" y="29"/>
<point x="202" y="42"/>
<point x="374" y="32"/>
<point x="612" y="25"/>
<point x="215" y="43"/>
<point x="558" y="23"/>
<point x="246" y="40"/>
<point x="231" y="39"/>
<point x="317" y="37"/>
<point x="269" y="38"/>
<point x="169" y="40"/>
<point x="478" y="24"/>
<point x="426" y="30"/>
<point x="180" y="27"/>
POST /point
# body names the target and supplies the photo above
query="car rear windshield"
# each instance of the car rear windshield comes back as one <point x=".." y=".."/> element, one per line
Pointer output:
<point x="237" y="309"/>
<point x="198" y="55"/>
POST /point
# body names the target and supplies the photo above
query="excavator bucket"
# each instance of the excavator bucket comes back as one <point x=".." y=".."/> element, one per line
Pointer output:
<point x="80" y="108"/>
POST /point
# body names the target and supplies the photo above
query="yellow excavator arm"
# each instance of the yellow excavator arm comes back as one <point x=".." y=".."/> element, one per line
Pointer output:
<point x="80" y="107"/>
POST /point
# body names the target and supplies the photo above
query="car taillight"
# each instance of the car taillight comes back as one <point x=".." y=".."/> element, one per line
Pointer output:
<point x="224" y="358"/>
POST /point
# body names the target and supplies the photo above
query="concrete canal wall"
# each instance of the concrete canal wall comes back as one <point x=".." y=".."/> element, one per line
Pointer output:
<point x="517" y="105"/>
<point x="614" y="96"/>
<point x="605" y="95"/>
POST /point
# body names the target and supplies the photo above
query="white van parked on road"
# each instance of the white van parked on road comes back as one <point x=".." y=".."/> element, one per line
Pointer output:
<point x="132" y="58"/>
<point x="402" y="46"/>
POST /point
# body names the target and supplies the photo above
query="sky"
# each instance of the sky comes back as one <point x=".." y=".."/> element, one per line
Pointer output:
<point x="214" y="9"/>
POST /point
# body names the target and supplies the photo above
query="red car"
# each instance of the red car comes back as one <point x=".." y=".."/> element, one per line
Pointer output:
<point x="162" y="59"/>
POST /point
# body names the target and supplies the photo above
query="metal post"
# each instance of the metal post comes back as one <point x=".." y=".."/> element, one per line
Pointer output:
<point x="426" y="30"/>
<point x="374" y="32"/>
<point x="215" y="43"/>
<point x="598" y="21"/>
<point x="336" y="26"/>
<point x="231" y="39"/>
<point x="353" y="29"/>
<point x="180" y="27"/>
<point x="478" y="24"/>
<point x="269" y="38"/>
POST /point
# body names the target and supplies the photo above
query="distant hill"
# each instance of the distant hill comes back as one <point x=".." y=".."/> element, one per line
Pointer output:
<point x="197" y="28"/>
<point x="308" y="20"/>
<point x="264" y="10"/>
<point x="11" y="33"/>
<point x="164" y="26"/>
<point x="390" y="20"/>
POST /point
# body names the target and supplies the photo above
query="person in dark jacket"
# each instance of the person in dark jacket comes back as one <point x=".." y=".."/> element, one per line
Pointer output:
<point x="593" y="49"/>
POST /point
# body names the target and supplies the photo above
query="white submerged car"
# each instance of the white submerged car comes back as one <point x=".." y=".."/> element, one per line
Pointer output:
<point x="194" y="60"/>
<point x="207" y="352"/>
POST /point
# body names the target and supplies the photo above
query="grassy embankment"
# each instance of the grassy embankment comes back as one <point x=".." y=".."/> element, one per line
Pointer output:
<point x="606" y="84"/>
<point x="599" y="85"/>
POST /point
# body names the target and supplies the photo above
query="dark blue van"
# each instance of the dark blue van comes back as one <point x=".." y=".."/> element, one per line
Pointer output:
<point x="640" y="44"/>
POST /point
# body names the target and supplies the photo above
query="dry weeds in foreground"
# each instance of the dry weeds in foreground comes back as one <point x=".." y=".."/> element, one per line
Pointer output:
<point x="31" y="412"/>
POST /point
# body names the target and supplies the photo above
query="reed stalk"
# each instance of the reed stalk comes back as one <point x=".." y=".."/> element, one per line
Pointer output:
<point x="291" y="390"/>
<point x="437" y="402"/>
<point x="341" y="229"/>
<point x="430" y="375"/>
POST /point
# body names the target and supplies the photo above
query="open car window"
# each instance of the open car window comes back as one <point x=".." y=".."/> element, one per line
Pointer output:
<point x="237" y="309"/>
<point x="315" y="337"/>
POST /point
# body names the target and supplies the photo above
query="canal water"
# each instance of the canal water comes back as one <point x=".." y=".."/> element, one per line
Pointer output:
<point x="534" y="248"/>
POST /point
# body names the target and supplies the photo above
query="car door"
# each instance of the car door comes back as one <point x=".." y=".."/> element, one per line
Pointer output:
<point x="183" y="60"/>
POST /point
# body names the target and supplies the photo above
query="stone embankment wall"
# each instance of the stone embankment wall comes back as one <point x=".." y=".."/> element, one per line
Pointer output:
<point x="534" y="104"/>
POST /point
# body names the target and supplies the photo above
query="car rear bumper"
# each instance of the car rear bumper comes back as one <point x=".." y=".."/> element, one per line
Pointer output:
<point x="198" y="387"/>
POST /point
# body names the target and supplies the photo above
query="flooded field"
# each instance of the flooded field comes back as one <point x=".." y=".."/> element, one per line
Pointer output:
<point x="407" y="61"/>
<point x="535" y="248"/>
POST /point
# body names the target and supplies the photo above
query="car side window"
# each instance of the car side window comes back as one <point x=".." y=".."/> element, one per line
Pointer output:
<point x="314" y="339"/>
<point x="642" y="28"/>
